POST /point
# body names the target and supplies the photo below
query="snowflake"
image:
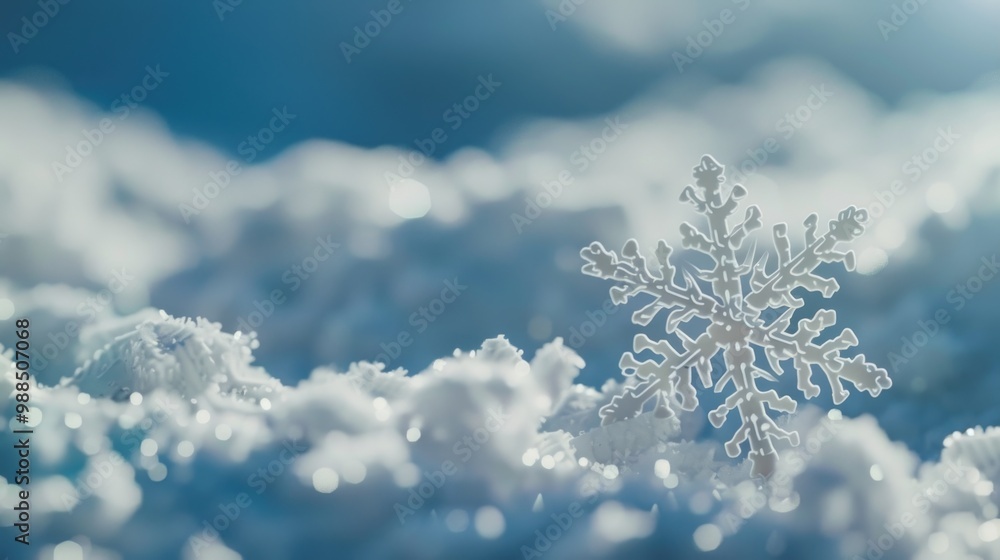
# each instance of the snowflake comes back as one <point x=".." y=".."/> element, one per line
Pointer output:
<point x="736" y="322"/>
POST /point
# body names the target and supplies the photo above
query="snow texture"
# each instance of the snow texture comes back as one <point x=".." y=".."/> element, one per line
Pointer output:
<point x="735" y="310"/>
<point x="863" y="486"/>
<point x="363" y="442"/>
<point x="187" y="355"/>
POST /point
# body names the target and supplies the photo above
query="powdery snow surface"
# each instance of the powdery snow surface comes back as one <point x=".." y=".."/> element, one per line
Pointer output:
<point x="220" y="461"/>
<point x="260" y="431"/>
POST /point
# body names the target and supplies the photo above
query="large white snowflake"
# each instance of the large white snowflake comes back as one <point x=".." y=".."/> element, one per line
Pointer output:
<point x="736" y="312"/>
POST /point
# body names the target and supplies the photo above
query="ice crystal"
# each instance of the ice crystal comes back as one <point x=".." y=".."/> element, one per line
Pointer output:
<point x="741" y="291"/>
<point x="977" y="447"/>
<point x="151" y="351"/>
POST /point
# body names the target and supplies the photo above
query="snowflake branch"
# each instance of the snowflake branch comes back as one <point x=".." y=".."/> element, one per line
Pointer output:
<point x="757" y="428"/>
<point x="800" y="346"/>
<point x="666" y="378"/>
<point x="633" y="276"/>
<point x="775" y="289"/>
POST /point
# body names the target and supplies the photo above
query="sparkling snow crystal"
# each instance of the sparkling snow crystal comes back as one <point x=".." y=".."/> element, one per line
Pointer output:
<point x="737" y="324"/>
<point x="154" y="350"/>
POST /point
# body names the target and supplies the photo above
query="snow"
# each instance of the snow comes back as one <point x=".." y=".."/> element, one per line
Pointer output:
<point x="323" y="451"/>
<point x="338" y="443"/>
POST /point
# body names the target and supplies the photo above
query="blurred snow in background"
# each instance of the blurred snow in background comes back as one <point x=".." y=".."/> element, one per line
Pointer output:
<point x="349" y="251"/>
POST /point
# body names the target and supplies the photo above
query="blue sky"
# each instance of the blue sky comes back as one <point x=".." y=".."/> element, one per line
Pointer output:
<point x="229" y="66"/>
